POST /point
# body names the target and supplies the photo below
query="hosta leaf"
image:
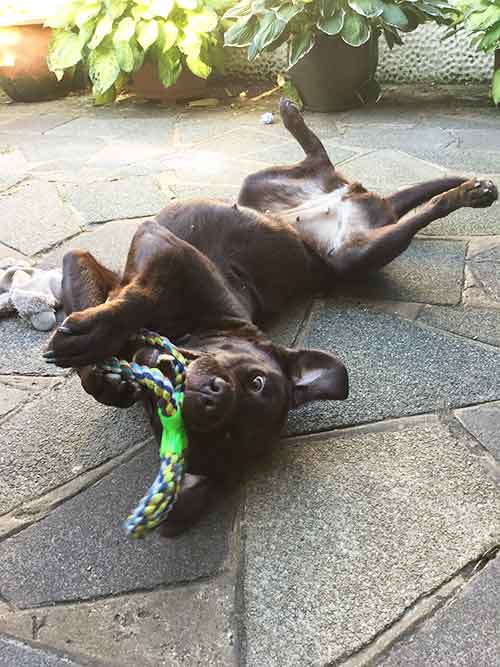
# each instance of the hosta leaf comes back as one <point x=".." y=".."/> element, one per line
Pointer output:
<point x="138" y="54"/>
<point x="161" y="7"/>
<point x="483" y="20"/>
<point x="169" y="67"/>
<point x="169" y="33"/>
<point x="103" y="68"/>
<point x="328" y="8"/>
<point x="300" y="45"/>
<point x="140" y="12"/>
<point x="85" y="33"/>
<point x="147" y="33"/>
<point x="125" y="56"/>
<point x="198" y="67"/>
<point x="125" y="30"/>
<point x="115" y="8"/>
<point x="203" y="21"/>
<point x="332" y="25"/>
<point x="495" y="88"/>
<point x="288" y="11"/>
<point x="491" y="39"/>
<point x="187" y="4"/>
<point x="242" y="32"/>
<point x="64" y="17"/>
<point x="190" y="44"/>
<point x="106" y="98"/>
<point x="102" y="29"/>
<point x="64" y="51"/>
<point x="86" y="13"/>
<point x="395" y="16"/>
<point x="239" y="11"/>
<point x="270" y="29"/>
<point x="368" y="8"/>
<point x="356" y="30"/>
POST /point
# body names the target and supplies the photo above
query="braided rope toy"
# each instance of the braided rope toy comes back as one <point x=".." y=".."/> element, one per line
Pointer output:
<point x="154" y="507"/>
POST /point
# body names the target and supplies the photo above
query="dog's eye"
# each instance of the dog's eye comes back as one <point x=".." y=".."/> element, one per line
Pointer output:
<point x="257" y="384"/>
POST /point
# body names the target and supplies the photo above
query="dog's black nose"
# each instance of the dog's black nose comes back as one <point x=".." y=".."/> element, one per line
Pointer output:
<point x="214" y="393"/>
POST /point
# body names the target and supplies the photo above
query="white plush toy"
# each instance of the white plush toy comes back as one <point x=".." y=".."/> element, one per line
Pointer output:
<point x="33" y="293"/>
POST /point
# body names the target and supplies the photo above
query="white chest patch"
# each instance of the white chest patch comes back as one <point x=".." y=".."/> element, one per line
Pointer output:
<point x="329" y="219"/>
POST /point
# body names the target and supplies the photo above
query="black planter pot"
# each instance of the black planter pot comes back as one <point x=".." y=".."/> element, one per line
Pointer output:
<point x="333" y="75"/>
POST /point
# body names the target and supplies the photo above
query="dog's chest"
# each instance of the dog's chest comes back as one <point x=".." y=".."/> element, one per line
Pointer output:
<point x="331" y="219"/>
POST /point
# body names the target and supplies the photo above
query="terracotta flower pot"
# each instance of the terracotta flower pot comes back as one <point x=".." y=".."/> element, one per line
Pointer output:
<point x="24" y="74"/>
<point x="147" y="83"/>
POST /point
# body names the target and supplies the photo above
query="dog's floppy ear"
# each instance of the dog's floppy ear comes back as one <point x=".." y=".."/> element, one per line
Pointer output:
<point x="315" y="375"/>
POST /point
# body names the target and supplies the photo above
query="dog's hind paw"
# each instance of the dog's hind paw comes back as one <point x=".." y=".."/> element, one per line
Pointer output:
<point x="480" y="194"/>
<point x="289" y="112"/>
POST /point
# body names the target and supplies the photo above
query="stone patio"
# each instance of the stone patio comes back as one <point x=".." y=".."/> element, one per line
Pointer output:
<point x="371" y="535"/>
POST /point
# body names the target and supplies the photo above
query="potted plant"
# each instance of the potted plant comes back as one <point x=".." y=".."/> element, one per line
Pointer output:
<point x="153" y="42"/>
<point x="332" y="44"/>
<point x="24" y="74"/>
<point x="481" y="20"/>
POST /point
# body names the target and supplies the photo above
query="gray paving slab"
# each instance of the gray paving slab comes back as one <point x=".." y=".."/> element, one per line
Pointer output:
<point x="200" y="166"/>
<point x="463" y="633"/>
<point x="34" y="217"/>
<point x="6" y="252"/>
<point x="109" y="243"/>
<point x="36" y="123"/>
<point x="483" y="421"/>
<point x="344" y="534"/>
<point x="14" y="653"/>
<point x="132" y="197"/>
<point x="113" y="124"/>
<point x="484" y="265"/>
<point x="428" y="272"/>
<point x="22" y="348"/>
<point x="81" y="550"/>
<point x="389" y="170"/>
<point x="467" y="222"/>
<point x="465" y="160"/>
<point x="46" y="149"/>
<point x="187" y="625"/>
<point x="396" y="368"/>
<point x="476" y="323"/>
<point x="56" y="437"/>
<point x="16" y="391"/>
<point x="478" y="138"/>
<point x="286" y="328"/>
<point x="410" y="140"/>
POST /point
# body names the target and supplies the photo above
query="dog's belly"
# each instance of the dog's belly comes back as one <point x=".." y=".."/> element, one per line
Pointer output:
<point x="330" y="221"/>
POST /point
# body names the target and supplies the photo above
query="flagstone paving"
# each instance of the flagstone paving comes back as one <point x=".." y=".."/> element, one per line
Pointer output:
<point x="370" y="535"/>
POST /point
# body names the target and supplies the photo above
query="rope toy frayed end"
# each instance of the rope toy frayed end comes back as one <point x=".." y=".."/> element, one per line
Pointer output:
<point x="154" y="507"/>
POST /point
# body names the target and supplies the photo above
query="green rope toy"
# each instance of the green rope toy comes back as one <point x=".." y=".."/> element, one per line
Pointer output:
<point x="154" y="507"/>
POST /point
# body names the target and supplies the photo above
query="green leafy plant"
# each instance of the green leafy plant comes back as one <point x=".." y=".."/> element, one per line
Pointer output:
<point x="114" y="37"/>
<point x="481" y="20"/>
<point x="263" y="25"/>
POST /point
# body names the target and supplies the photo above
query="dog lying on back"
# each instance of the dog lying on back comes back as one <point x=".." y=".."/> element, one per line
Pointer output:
<point x="208" y="275"/>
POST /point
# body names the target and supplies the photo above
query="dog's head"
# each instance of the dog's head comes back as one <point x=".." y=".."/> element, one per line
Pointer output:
<point x="239" y="392"/>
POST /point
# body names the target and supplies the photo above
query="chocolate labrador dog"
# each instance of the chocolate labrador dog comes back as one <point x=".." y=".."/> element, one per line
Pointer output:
<point x="208" y="275"/>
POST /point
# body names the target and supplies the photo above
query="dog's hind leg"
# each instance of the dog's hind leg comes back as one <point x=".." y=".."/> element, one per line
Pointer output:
<point x="378" y="246"/>
<point x="296" y="125"/>
<point x="406" y="200"/>
<point x="284" y="187"/>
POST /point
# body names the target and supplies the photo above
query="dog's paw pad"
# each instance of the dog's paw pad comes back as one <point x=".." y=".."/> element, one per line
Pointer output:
<point x="480" y="194"/>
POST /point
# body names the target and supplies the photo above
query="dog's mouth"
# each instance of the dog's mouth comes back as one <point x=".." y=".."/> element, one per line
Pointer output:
<point x="209" y="395"/>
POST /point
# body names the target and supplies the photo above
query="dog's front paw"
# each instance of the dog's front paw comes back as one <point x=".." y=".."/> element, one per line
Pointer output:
<point x="85" y="338"/>
<point x="109" y="388"/>
<point x="480" y="194"/>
